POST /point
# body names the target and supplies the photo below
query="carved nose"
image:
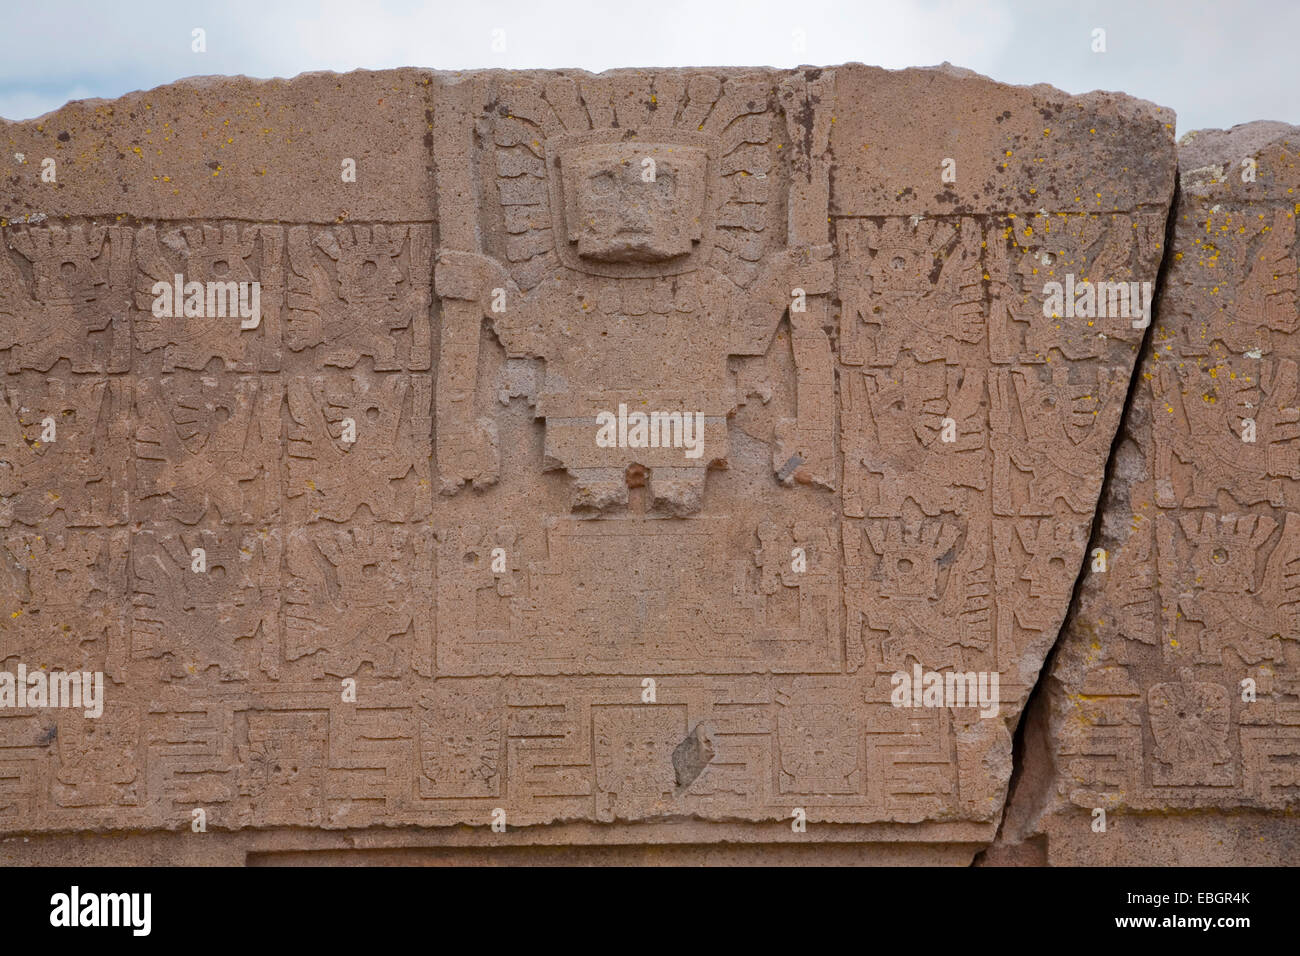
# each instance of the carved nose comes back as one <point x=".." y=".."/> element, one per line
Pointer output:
<point x="634" y="216"/>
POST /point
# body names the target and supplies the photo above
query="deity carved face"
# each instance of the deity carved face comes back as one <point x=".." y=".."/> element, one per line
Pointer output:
<point x="634" y="202"/>
<point x="368" y="278"/>
<point x="910" y="573"/>
<point x="902" y="269"/>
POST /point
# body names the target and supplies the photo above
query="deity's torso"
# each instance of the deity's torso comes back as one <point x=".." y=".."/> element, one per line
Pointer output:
<point x="656" y="343"/>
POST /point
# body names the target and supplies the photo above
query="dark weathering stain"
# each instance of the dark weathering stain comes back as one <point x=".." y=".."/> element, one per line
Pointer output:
<point x="789" y="468"/>
<point x="692" y="756"/>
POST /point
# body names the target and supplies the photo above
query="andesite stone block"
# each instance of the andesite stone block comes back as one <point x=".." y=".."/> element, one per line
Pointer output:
<point x="1172" y="707"/>
<point x="684" y="459"/>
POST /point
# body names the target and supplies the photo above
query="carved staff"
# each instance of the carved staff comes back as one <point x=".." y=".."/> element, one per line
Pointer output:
<point x="809" y="98"/>
<point x="466" y="447"/>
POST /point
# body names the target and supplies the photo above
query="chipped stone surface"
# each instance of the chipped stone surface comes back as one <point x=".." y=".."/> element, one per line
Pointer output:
<point x="400" y="473"/>
<point x="1173" y="703"/>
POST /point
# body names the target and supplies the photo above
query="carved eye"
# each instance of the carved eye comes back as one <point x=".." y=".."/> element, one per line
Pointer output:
<point x="603" y="185"/>
<point x="1219" y="556"/>
<point x="68" y="269"/>
<point x="897" y="262"/>
<point x="904" y="566"/>
<point x="369" y="269"/>
<point x="221" y="267"/>
<point x="666" y="184"/>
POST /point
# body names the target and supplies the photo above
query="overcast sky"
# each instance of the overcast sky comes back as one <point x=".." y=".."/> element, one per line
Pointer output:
<point x="1216" y="63"/>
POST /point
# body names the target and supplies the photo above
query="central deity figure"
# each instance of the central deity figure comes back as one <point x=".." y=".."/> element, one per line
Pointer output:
<point x="657" y="273"/>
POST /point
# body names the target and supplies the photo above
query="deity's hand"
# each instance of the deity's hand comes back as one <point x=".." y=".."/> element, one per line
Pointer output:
<point x="811" y="268"/>
<point x="466" y="275"/>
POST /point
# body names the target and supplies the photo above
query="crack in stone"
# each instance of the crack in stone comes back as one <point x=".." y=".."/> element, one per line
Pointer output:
<point x="1037" y="696"/>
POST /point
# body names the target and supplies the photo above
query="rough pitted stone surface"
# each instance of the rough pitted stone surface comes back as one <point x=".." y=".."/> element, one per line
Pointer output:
<point x="1173" y="703"/>
<point x="400" y="475"/>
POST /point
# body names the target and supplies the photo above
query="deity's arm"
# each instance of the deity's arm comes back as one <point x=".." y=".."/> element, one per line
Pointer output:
<point x="517" y="317"/>
<point x="473" y="287"/>
<point x="785" y="282"/>
<point x="796" y="282"/>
